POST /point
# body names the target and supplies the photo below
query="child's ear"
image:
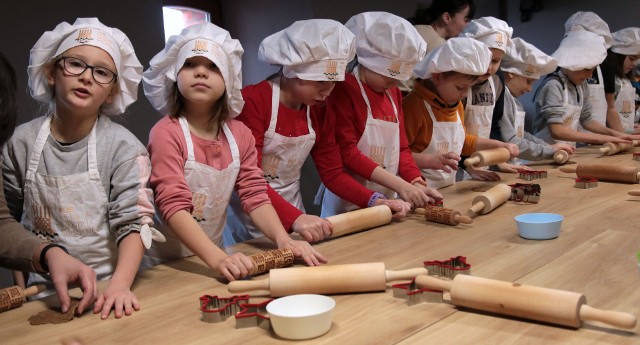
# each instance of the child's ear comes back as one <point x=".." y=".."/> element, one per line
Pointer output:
<point x="436" y="78"/>
<point x="50" y="75"/>
<point x="112" y="94"/>
<point x="446" y="18"/>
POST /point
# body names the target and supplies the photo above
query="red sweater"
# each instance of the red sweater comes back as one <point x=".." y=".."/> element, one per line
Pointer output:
<point x="256" y="114"/>
<point x="347" y="107"/>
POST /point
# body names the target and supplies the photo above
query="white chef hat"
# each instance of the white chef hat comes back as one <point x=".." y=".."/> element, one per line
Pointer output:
<point x="460" y="54"/>
<point x="526" y="60"/>
<point x="580" y="50"/>
<point x="87" y="31"/>
<point x="626" y="41"/>
<point x="493" y="32"/>
<point x="387" y="44"/>
<point x="206" y="40"/>
<point x="314" y="49"/>
<point x="591" y="22"/>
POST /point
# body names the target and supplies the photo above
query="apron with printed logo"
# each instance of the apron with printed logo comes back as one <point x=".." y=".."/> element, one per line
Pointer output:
<point x="69" y="210"/>
<point x="625" y="104"/>
<point x="446" y="137"/>
<point x="477" y="118"/>
<point x="210" y="189"/>
<point x="570" y="118"/>
<point x="282" y="160"/>
<point x="380" y="142"/>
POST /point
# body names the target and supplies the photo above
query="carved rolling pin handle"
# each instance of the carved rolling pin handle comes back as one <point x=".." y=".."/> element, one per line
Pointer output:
<point x="561" y="157"/>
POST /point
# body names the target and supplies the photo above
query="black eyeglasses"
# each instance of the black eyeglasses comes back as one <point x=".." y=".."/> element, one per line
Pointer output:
<point x="75" y="66"/>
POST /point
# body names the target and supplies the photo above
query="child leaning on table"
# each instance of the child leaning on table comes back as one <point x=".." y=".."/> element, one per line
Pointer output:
<point x="73" y="176"/>
<point x="522" y="65"/>
<point x="199" y="153"/>
<point x="433" y="110"/>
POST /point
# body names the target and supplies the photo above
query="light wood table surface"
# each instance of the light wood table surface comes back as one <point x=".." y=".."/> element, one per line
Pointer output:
<point x="594" y="255"/>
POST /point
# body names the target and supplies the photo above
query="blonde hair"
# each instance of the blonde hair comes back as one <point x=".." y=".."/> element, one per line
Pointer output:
<point x="219" y="111"/>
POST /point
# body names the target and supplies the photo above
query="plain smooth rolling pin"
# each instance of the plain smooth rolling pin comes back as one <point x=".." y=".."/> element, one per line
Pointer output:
<point x="14" y="297"/>
<point x="328" y="279"/>
<point x="634" y="192"/>
<point x="605" y="172"/>
<point x="265" y="261"/>
<point x="443" y="215"/>
<point x="561" y="157"/>
<point x="358" y="220"/>
<point x="487" y="201"/>
<point x="529" y="302"/>
<point x="612" y="148"/>
<point x="488" y="157"/>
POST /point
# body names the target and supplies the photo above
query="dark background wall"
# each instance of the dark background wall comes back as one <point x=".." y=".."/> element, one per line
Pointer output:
<point x="23" y="22"/>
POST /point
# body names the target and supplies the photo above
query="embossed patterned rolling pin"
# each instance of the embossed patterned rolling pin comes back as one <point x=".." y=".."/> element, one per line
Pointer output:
<point x="605" y="172"/>
<point x="529" y="302"/>
<point x="609" y="149"/>
<point x="14" y="297"/>
<point x="443" y="215"/>
<point x="327" y="279"/>
<point x="277" y="258"/>
<point x="487" y="201"/>
<point x="488" y="157"/>
<point x="561" y="157"/>
<point x="359" y="220"/>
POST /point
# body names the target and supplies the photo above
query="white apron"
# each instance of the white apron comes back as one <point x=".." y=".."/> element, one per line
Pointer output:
<point x="446" y="137"/>
<point x="520" y="116"/>
<point x="598" y="101"/>
<point x="70" y="210"/>
<point x="477" y="118"/>
<point x="282" y="160"/>
<point x="380" y="142"/>
<point x="211" y="190"/>
<point x="625" y="104"/>
<point x="571" y="118"/>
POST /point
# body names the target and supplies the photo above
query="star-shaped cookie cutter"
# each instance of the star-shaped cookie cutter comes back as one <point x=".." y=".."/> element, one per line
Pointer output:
<point x="218" y="309"/>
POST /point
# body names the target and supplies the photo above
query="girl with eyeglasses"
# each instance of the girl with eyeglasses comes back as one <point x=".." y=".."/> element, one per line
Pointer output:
<point x="75" y="178"/>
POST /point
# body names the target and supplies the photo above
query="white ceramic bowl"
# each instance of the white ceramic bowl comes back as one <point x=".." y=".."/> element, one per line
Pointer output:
<point x="539" y="226"/>
<point x="301" y="316"/>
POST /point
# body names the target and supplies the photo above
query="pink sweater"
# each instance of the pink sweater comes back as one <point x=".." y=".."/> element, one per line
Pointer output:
<point x="168" y="150"/>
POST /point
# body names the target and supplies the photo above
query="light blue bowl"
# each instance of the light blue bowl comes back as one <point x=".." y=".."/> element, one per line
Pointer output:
<point x="539" y="226"/>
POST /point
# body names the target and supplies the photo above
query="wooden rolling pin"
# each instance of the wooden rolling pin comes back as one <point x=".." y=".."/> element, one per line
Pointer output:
<point x="634" y="192"/>
<point x="328" y="279"/>
<point x="14" y="297"/>
<point x="561" y="157"/>
<point x="488" y="157"/>
<point x="529" y="302"/>
<point x="487" y="201"/>
<point x="612" y="148"/>
<point x="265" y="261"/>
<point x="605" y="172"/>
<point x="443" y="215"/>
<point x="358" y="220"/>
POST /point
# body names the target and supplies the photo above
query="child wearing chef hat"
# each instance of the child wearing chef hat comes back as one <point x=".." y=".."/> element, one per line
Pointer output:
<point x="522" y="65"/>
<point x="73" y="176"/>
<point x="597" y="84"/>
<point x="619" y="64"/>
<point x="434" y="112"/>
<point x="561" y="101"/>
<point x="286" y="114"/>
<point x="368" y="112"/>
<point x="484" y="94"/>
<point x="199" y="153"/>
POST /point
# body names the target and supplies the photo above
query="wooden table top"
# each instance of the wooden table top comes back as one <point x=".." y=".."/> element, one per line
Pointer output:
<point x="594" y="255"/>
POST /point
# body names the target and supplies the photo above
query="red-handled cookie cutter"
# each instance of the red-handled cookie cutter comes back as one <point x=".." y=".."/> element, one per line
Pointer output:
<point x="218" y="309"/>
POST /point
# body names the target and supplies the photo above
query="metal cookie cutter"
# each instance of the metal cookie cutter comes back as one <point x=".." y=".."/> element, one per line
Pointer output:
<point x="448" y="268"/>
<point x="414" y="294"/>
<point x="218" y="309"/>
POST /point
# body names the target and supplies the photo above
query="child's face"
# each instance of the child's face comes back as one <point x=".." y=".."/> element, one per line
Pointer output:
<point x="311" y="92"/>
<point x="200" y="81"/>
<point x="496" y="58"/>
<point x="580" y="76"/>
<point x="629" y="63"/>
<point x="517" y="84"/>
<point x="81" y="92"/>
<point x="457" y="22"/>
<point x="452" y="87"/>
<point x="378" y="82"/>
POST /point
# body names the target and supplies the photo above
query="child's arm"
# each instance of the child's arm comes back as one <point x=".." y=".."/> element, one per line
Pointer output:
<point x="266" y="219"/>
<point x="613" y="118"/>
<point x="118" y="294"/>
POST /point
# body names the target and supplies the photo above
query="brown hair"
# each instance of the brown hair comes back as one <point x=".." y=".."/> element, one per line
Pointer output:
<point x="454" y="73"/>
<point x="219" y="111"/>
